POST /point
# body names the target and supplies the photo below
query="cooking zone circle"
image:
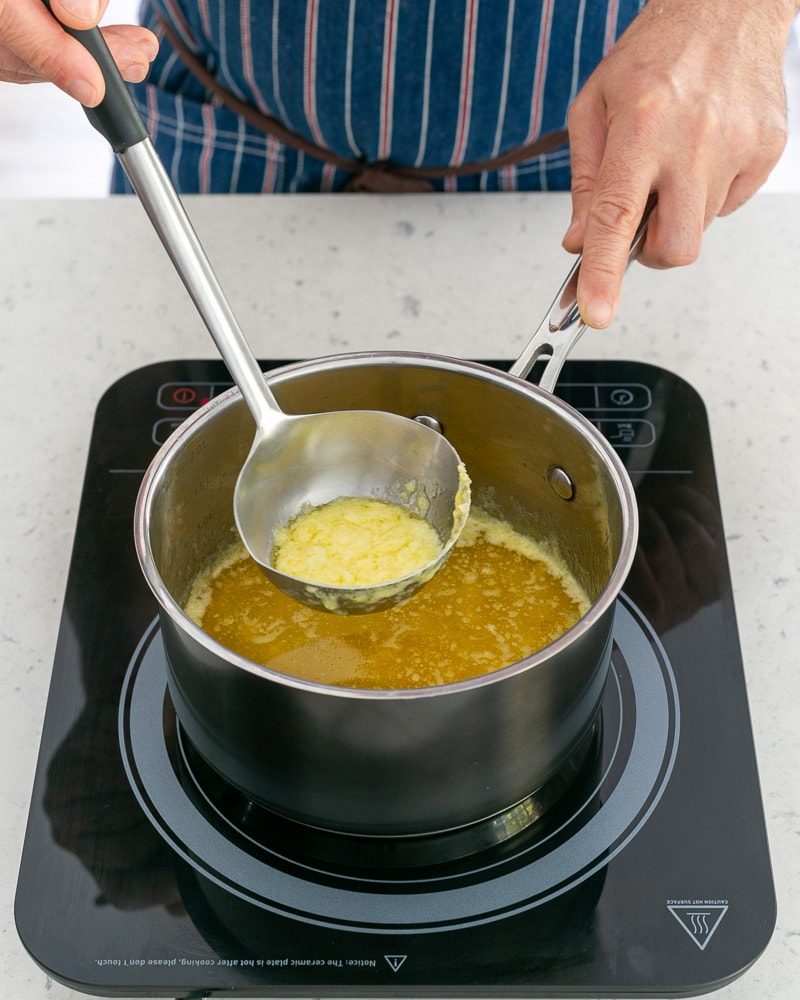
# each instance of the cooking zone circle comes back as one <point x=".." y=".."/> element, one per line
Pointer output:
<point x="641" y="725"/>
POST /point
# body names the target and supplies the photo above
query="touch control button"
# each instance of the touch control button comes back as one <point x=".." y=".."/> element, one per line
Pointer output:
<point x="184" y="395"/>
<point x="163" y="428"/>
<point x="623" y="397"/>
<point x="627" y="433"/>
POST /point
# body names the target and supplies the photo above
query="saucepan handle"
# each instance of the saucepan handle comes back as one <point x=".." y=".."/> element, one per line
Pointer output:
<point x="562" y="327"/>
<point x="116" y="117"/>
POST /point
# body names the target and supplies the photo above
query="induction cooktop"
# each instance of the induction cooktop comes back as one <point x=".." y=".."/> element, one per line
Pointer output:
<point x="645" y="873"/>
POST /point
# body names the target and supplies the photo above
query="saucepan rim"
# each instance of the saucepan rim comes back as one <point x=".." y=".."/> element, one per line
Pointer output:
<point x="161" y="461"/>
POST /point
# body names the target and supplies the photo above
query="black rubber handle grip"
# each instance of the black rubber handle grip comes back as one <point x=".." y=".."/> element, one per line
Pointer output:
<point x="116" y="117"/>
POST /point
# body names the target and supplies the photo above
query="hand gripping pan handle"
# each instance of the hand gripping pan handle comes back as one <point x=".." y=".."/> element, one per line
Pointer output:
<point x="562" y="327"/>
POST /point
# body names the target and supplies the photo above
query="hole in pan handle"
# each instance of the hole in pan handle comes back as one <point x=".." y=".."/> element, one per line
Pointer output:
<point x="562" y="327"/>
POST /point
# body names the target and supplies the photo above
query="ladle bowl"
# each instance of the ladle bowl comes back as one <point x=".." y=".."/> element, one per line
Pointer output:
<point x="316" y="458"/>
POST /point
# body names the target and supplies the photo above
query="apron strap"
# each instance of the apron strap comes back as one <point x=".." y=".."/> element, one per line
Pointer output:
<point x="382" y="176"/>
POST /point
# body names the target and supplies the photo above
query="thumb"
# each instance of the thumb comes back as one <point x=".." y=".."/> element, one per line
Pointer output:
<point x="80" y="14"/>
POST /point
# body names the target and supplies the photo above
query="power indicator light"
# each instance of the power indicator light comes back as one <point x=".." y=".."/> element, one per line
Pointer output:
<point x="184" y="395"/>
<point x="188" y="395"/>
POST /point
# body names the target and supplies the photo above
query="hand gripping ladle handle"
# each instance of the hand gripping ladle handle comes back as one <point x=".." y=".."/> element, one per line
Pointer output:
<point x="563" y="326"/>
<point x="118" y="120"/>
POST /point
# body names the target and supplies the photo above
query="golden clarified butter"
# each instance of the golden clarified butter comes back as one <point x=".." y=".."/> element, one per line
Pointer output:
<point x="355" y="542"/>
<point x="500" y="597"/>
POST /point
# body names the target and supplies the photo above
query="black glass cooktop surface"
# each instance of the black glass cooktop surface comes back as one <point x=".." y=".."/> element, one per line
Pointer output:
<point x="646" y="874"/>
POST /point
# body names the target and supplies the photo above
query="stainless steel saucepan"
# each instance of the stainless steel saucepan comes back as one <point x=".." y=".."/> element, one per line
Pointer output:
<point x="401" y="762"/>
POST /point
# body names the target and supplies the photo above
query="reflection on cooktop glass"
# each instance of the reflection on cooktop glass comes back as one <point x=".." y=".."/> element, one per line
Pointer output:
<point x="639" y="868"/>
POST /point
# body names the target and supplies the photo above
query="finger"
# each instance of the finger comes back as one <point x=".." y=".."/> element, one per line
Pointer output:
<point x="675" y="229"/>
<point x="34" y="36"/>
<point x="133" y="49"/>
<point x="37" y="48"/>
<point x="13" y="69"/>
<point x="748" y="181"/>
<point x="622" y="188"/>
<point x="9" y="76"/>
<point x="587" y="139"/>
<point x="742" y="189"/>
<point x="132" y="34"/>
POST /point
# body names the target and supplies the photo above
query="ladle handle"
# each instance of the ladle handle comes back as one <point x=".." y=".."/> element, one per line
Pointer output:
<point x="115" y="117"/>
<point x="118" y="120"/>
<point x="151" y="183"/>
<point x="562" y="327"/>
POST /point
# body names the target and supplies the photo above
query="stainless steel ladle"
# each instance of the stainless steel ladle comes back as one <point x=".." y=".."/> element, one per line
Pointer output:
<point x="296" y="461"/>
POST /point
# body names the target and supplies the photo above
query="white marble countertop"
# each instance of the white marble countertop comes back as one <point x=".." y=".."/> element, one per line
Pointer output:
<point x="86" y="295"/>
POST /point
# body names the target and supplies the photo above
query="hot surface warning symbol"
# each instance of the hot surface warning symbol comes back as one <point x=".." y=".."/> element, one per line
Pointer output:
<point x="395" y="961"/>
<point x="699" y="920"/>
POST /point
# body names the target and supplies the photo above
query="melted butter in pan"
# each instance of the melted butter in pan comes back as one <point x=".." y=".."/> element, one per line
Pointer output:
<point x="499" y="598"/>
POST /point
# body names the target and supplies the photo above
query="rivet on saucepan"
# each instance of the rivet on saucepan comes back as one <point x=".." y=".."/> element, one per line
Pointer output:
<point x="562" y="485"/>
<point x="427" y="421"/>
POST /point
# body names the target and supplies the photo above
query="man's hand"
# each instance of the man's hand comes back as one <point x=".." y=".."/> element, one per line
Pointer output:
<point x="689" y="103"/>
<point x="34" y="48"/>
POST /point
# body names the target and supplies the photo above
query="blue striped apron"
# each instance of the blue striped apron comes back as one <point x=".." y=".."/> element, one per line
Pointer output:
<point x="417" y="82"/>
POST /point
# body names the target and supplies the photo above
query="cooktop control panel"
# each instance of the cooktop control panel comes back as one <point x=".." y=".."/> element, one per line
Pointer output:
<point x="618" y="409"/>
